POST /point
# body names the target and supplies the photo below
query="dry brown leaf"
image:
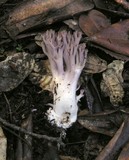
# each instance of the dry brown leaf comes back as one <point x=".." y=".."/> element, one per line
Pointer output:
<point x="115" y="145"/>
<point x="41" y="12"/>
<point x="93" y="22"/>
<point x="124" y="155"/>
<point x="98" y="124"/>
<point x="114" y="38"/>
<point x="34" y="7"/>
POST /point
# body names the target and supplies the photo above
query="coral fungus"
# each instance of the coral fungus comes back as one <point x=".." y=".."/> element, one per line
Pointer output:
<point x="67" y="59"/>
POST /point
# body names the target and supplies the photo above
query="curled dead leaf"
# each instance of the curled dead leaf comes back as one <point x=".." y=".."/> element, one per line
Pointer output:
<point x="111" y="84"/>
<point x="94" y="64"/>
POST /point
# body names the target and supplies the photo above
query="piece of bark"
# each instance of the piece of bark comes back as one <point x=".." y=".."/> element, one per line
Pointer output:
<point x="114" y="38"/>
<point x="120" y="139"/>
<point x="41" y="12"/>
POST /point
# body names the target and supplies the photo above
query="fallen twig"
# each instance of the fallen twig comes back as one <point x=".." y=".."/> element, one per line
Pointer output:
<point x="39" y="136"/>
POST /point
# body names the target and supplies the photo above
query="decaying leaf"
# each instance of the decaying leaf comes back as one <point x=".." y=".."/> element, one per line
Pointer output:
<point x="94" y="64"/>
<point x="3" y="145"/>
<point x="33" y="8"/>
<point x="118" y="67"/>
<point x="104" y="122"/>
<point x="42" y="75"/>
<point x="41" y="12"/>
<point x="99" y="4"/>
<point x="114" y="37"/>
<point x="111" y="53"/>
<point x="111" y="84"/>
<point x="14" y="69"/>
<point x="124" y="155"/>
<point x="38" y="39"/>
<point x="46" y="82"/>
<point x="98" y="124"/>
<point x="93" y="22"/>
<point x="115" y="145"/>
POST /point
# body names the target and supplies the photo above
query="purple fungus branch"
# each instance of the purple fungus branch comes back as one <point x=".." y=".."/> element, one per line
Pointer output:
<point x="67" y="59"/>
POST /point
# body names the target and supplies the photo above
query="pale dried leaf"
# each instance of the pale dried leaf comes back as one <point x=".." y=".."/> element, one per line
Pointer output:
<point x="3" y="145"/>
<point x="111" y="84"/>
<point x="94" y="64"/>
